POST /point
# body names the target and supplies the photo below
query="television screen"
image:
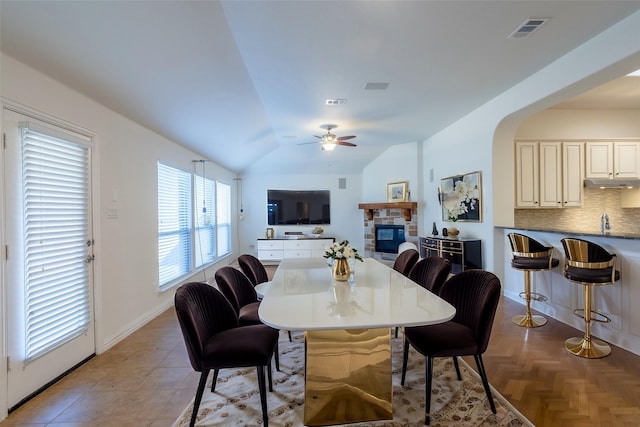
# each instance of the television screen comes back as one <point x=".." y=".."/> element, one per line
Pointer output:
<point x="290" y="207"/>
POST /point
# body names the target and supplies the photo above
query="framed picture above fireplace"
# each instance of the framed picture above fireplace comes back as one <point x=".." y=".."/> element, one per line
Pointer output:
<point x="397" y="191"/>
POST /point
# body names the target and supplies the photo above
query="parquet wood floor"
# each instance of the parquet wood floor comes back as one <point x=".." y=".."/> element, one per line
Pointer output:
<point x="550" y="386"/>
<point x="146" y="380"/>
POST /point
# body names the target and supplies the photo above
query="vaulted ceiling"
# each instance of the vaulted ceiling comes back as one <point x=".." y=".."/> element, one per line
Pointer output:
<point x="244" y="83"/>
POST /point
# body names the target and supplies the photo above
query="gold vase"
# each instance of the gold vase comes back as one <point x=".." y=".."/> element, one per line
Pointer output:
<point x="341" y="269"/>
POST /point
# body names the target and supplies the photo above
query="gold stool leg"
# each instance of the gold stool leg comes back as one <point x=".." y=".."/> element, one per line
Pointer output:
<point x="587" y="346"/>
<point x="528" y="320"/>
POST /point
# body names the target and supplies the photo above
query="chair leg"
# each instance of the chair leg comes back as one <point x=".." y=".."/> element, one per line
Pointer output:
<point x="396" y="332"/>
<point x="270" y="377"/>
<point x="405" y="357"/>
<point x="215" y="378"/>
<point x="198" y="399"/>
<point x="277" y="357"/>
<point x="485" y="382"/>
<point x="263" y="395"/>
<point x="427" y="389"/>
<point x="289" y="332"/>
<point x="457" y="366"/>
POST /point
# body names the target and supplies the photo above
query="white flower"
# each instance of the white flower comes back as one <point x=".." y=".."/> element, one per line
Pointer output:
<point x="341" y="250"/>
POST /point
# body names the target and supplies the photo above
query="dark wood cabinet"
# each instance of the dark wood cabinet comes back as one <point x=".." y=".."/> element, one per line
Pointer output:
<point x="464" y="254"/>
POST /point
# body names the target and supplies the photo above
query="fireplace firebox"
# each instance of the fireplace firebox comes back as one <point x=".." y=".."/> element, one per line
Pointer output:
<point x="388" y="238"/>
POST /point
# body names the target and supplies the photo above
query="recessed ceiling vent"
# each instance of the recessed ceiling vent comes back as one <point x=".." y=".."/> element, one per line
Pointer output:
<point x="527" y="28"/>
<point x="338" y="101"/>
<point x="376" y="86"/>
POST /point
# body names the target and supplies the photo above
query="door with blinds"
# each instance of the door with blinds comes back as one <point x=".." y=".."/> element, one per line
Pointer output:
<point x="49" y="286"/>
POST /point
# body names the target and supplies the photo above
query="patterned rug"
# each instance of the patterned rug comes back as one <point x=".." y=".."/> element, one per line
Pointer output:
<point x="236" y="401"/>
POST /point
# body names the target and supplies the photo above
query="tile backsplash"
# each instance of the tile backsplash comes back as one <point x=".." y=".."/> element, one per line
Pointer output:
<point x="585" y="219"/>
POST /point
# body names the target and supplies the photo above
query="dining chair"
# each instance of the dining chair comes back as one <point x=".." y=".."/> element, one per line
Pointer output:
<point x="253" y="269"/>
<point x="215" y="340"/>
<point x="239" y="290"/>
<point x="431" y="273"/>
<point x="475" y="295"/>
<point x="405" y="261"/>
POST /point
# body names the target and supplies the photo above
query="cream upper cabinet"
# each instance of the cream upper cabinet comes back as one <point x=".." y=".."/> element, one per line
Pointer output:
<point x="611" y="160"/>
<point x="549" y="174"/>
<point x="572" y="173"/>
<point x="527" y="181"/>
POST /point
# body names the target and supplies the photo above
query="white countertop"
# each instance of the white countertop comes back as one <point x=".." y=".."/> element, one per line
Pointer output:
<point x="302" y="296"/>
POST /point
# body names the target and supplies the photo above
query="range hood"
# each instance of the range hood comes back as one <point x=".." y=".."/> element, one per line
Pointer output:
<point x="611" y="183"/>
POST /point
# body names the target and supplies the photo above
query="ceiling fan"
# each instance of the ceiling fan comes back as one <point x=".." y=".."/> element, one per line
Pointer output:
<point x="329" y="140"/>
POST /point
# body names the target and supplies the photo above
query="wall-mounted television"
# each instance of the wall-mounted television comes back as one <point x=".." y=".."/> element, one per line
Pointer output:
<point x="291" y="207"/>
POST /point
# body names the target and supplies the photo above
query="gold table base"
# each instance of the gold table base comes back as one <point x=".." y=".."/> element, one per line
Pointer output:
<point x="348" y="376"/>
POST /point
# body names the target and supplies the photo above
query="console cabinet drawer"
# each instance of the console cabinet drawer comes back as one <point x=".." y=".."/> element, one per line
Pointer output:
<point x="277" y="249"/>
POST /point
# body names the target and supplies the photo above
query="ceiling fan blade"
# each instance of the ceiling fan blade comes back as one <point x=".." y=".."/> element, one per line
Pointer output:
<point x="344" y="138"/>
<point x="347" y="144"/>
<point x="318" y="136"/>
<point x="305" y="143"/>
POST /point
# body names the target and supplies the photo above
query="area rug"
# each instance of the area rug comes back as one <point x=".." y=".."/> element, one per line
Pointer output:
<point x="236" y="401"/>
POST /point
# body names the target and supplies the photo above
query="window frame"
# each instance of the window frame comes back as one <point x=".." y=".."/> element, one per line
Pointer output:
<point x="195" y="246"/>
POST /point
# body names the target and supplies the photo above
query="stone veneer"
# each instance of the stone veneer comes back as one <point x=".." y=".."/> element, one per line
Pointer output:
<point x="585" y="219"/>
<point x="392" y="216"/>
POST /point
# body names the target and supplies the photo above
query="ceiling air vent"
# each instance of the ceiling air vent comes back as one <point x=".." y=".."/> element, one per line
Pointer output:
<point x="376" y="86"/>
<point x="338" y="101"/>
<point x="527" y="28"/>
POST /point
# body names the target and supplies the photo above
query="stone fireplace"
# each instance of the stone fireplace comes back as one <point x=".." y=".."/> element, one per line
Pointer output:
<point x="398" y="213"/>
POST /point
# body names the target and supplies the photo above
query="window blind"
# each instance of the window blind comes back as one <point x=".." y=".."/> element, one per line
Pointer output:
<point x="174" y="223"/>
<point x="56" y="231"/>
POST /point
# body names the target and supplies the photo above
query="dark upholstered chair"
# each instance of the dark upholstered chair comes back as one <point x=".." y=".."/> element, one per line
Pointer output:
<point x="215" y="340"/>
<point x="237" y="288"/>
<point x="475" y="295"/>
<point x="405" y="261"/>
<point x="253" y="269"/>
<point x="530" y="255"/>
<point x="240" y="293"/>
<point x="588" y="264"/>
<point x="431" y="273"/>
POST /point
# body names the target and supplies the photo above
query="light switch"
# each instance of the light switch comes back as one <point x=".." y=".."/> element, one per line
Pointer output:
<point x="112" y="213"/>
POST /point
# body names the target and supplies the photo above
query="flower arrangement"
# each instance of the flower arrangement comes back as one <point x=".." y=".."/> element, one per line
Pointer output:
<point x="463" y="199"/>
<point x="341" y="250"/>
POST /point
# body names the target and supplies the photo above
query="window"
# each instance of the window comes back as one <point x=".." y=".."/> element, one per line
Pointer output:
<point x="194" y="222"/>
<point x="56" y="235"/>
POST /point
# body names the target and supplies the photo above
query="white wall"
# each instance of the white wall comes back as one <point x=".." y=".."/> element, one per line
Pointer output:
<point x="581" y="124"/>
<point x="346" y="218"/>
<point x="124" y="178"/>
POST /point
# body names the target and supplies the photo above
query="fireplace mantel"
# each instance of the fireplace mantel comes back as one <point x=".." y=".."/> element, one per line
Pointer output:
<point x="406" y="208"/>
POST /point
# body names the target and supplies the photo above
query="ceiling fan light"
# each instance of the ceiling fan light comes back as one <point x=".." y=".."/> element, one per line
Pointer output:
<point x="329" y="146"/>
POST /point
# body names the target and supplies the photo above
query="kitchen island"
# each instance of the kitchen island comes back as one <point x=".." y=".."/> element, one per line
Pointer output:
<point x="619" y="301"/>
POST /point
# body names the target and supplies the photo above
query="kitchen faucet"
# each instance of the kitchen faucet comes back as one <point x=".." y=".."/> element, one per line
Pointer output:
<point x="604" y="223"/>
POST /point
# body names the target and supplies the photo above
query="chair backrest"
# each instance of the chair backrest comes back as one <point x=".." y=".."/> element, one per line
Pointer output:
<point x="475" y="295"/>
<point x="236" y="287"/>
<point x="405" y="261"/>
<point x="406" y="246"/>
<point x="584" y="251"/>
<point x="431" y="273"/>
<point x="253" y="269"/>
<point x="202" y="312"/>
<point x="522" y="245"/>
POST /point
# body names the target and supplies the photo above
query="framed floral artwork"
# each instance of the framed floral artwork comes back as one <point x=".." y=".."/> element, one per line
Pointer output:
<point x="397" y="191"/>
<point x="461" y="197"/>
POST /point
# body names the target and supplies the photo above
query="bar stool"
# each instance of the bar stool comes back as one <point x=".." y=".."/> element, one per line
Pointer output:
<point x="530" y="255"/>
<point x="589" y="265"/>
